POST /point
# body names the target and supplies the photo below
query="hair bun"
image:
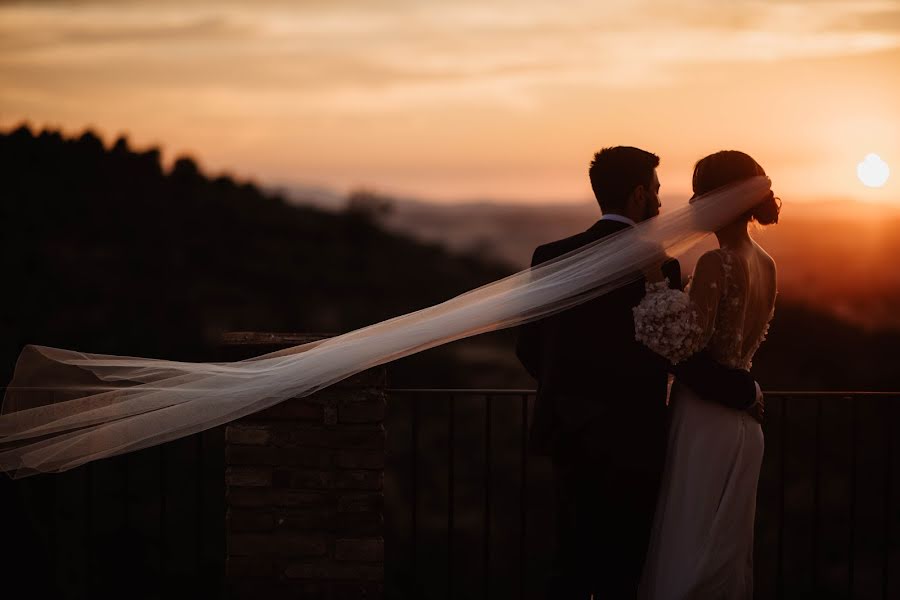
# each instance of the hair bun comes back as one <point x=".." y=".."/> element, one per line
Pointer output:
<point x="767" y="211"/>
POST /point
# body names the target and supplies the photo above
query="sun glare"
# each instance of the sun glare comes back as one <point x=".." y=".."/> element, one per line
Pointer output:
<point x="872" y="171"/>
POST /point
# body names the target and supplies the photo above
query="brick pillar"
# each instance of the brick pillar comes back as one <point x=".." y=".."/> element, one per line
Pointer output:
<point x="304" y="495"/>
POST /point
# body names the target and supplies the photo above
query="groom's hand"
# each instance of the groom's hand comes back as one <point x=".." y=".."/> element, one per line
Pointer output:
<point x="758" y="410"/>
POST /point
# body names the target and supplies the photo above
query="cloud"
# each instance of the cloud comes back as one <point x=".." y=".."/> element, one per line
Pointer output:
<point x="349" y="57"/>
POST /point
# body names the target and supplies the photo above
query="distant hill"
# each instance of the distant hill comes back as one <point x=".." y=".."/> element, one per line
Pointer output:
<point x="833" y="256"/>
<point x="105" y="251"/>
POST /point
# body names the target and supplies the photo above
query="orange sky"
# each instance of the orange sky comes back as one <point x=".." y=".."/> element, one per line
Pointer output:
<point x="462" y="100"/>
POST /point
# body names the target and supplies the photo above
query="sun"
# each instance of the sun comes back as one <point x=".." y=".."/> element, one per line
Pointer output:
<point x="872" y="171"/>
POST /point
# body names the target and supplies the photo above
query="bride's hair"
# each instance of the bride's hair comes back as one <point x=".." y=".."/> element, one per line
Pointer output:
<point x="729" y="166"/>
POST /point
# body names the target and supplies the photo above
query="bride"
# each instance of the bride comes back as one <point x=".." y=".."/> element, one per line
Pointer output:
<point x="701" y="545"/>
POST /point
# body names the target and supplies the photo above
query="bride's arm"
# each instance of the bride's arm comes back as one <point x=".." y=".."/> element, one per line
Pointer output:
<point x="680" y="325"/>
<point x="677" y="324"/>
<point x="705" y="292"/>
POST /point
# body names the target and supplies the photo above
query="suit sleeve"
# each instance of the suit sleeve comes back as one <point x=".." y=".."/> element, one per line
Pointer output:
<point x="528" y="343"/>
<point x="713" y="381"/>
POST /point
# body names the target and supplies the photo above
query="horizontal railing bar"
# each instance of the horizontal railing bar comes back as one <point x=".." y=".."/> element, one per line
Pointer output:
<point x="492" y="392"/>
<point x="519" y="392"/>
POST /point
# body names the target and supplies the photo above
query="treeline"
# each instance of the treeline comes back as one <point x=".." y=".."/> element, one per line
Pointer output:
<point x="105" y="250"/>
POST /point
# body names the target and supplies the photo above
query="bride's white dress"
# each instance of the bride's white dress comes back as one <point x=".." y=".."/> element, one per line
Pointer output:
<point x="701" y="545"/>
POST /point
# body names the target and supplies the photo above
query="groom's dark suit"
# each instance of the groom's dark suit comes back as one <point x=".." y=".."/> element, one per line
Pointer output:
<point x="601" y="416"/>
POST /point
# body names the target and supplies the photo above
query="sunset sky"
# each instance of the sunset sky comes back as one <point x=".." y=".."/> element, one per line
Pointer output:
<point x="465" y="99"/>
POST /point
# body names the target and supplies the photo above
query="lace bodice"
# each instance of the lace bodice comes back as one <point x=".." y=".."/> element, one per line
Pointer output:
<point x="736" y="332"/>
<point x="726" y="310"/>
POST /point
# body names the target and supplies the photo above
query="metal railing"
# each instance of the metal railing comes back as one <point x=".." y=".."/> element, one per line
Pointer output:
<point x="807" y="460"/>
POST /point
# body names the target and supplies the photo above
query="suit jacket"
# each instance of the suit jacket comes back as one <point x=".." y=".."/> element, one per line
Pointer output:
<point x="596" y="384"/>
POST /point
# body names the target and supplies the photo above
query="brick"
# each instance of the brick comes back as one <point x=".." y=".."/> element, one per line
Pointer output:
<point x="341" y="437"/>
<point x="269" y="455"/>
<point x="302" y="499"/>
<point x="248" y="520"/>
<point x="360" y="550"/>
<point x="251" y="455"/>
<point x="375" y="377"/>
<point x="254" y="588"/>
<point x="296" y="409"/>
<point x="313" y="457"/>
<point x="306" y="520"/>
<point x="361" y="412"/>
<point x="248" y="476"/>
<point x="249" y="497"/>
<point x="310" y="479"/>
<point x="335" y="395"/>
<point x="329" y="520"/>
<point x="334" y="570"/>
<point x="356" y="590"/>
<point x="359" y="459"/>
<point x="329" y="413"/>
<point x="306" y="590"/>
<point x="358" y="480"/>
<point x="359" y="524"/>
<point x="264" y="497"/>
<point x="360" y="502"/>
<point x="244" y="434"/>
<point x="249" y="566"/>
<point x="283" y="545"/>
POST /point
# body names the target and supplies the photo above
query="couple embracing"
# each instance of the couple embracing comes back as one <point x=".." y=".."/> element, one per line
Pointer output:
<point x="655" y="488"/>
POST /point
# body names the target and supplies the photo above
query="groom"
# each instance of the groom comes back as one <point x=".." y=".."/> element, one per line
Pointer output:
<point x="601" y="408"/>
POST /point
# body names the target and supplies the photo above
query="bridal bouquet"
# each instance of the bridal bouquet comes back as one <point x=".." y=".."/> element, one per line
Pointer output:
<point x="666" y="322"/>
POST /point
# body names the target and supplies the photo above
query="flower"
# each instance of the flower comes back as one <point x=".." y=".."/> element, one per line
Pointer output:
<point x="667" y="322"/>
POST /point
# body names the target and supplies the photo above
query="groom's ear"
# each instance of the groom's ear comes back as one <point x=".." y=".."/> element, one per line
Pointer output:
<point x="634" y="204"/>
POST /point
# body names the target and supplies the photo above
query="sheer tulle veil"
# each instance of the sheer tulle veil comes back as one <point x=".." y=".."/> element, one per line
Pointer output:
<point x="65" y="408"/>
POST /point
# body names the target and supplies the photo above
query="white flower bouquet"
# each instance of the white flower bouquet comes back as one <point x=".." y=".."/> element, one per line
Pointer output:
<point x="666" y="322"/>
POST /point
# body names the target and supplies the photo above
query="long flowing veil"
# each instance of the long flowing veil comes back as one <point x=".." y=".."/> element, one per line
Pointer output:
<point x="64" y="408"/>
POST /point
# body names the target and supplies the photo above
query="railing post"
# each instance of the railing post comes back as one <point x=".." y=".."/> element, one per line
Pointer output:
<point x="889" y="424"/>
<point x="851" y="558"/>
<point x="451" y="513"/>
<point x="487" y="497"/>
<point x="523" y="497"/>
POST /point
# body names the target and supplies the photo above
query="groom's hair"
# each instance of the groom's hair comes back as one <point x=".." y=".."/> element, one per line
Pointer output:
<point x="615" y="172"/>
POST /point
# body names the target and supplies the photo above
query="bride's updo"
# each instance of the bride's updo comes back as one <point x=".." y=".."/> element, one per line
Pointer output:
<point x="729" y="166"/>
